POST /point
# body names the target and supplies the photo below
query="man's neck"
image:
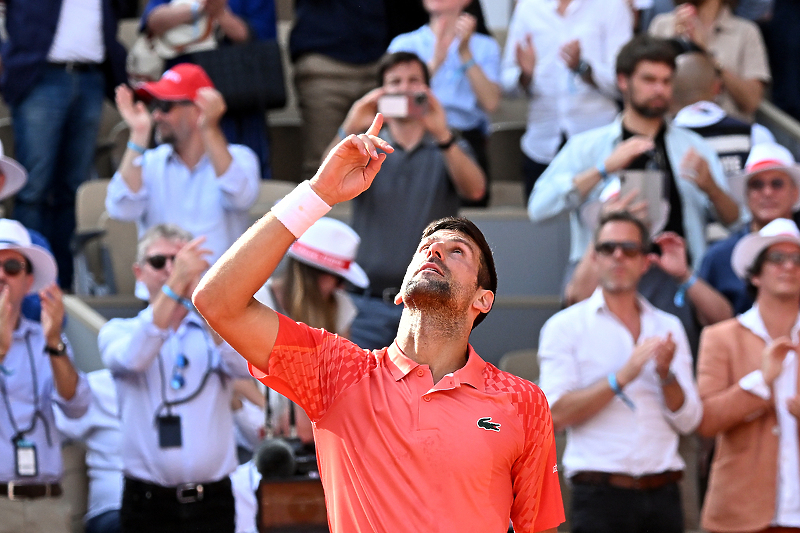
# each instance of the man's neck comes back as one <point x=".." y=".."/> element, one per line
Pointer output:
<point x="406" y="133"/>
<point x="757" y="225"/>
<point x="190" y="150"/>
<point x="779" y="314"/>
<point x="640" y="125"/>
<point x="625" y="306"/>
<point x="434" y="340"/>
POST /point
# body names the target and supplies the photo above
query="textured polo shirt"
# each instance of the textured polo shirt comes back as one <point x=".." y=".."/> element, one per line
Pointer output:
<point x="398" y="453"/>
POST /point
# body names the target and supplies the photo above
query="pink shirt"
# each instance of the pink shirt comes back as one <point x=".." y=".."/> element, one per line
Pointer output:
<point x="398" y="453"/>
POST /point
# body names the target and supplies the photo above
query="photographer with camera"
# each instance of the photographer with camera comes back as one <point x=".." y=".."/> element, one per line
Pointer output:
<point x="430" y="170"/>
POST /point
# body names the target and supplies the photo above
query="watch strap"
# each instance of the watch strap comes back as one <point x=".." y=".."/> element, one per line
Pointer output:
<point x="59" y="350"/>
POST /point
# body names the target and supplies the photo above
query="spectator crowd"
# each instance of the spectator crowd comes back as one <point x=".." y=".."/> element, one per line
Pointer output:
<point x="681" y="296"/>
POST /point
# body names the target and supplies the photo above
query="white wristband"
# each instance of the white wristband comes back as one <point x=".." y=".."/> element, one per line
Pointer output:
<point x="300" y="209"/>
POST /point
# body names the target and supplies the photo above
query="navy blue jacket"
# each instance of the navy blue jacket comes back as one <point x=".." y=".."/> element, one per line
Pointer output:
<point x="31" y="26"/>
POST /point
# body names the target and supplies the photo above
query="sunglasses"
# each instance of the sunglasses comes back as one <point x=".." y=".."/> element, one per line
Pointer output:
<point x="12" y="267"/>
<point x="758" y="184"/>
<point x="177" y="381"/>
<point x="165" y="106"/>
<point x="780" y="258"/>
<point x="629" y="249"/>
<point x="159" y="261"/>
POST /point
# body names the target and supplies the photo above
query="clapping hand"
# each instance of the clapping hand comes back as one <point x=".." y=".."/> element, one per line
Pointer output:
<point x="134" y="113"/>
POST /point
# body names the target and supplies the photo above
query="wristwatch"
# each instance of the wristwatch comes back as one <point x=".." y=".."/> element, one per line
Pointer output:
<point x="448" y="143"/>
<point x="59" y="350"/>
<point x="582" y="68"/>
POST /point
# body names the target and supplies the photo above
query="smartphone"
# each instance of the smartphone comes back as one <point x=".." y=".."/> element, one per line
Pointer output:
<point x="403" y="105"/>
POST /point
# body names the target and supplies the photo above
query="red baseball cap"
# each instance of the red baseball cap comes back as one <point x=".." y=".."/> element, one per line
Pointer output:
<point x="181" y="82"/>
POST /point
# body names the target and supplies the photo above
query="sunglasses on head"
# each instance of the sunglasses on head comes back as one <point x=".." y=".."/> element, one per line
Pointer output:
<point x="12" y="267"/>
<point x="776" y="257"/>
<point x="159" y="261"/>
<point x="629" y="249"/>
<point x="165" y="106"/>
<point x="758" y="184"/>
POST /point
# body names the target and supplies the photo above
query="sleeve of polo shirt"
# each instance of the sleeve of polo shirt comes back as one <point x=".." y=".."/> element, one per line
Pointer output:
<point x="312" y="367"/>
<point x="618" y="30"/>
<point x="124" y="204"/>
<point x="754" y="64"/>
<point x="509" y="68"/>
<point x="239" y="184"/>
<point x="130" y="344"/>
<point x="558" y="366"/>
<point x="537" y="502"/>
<point x="688" y="417"/>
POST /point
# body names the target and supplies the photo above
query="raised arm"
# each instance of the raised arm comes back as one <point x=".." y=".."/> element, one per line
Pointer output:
<point x="225" y="294"/>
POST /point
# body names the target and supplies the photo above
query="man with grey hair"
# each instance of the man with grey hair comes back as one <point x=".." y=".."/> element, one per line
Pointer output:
<point x="170" y="370"/>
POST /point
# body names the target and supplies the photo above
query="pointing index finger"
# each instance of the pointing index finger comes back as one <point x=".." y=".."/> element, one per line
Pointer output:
<point x="376" y="126"/>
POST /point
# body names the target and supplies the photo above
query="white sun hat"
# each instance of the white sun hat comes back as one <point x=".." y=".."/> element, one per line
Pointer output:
<point x="751" y="245"/>
<point x="15" y="175"/>
<point x="331" y="245"/>
<point x="764" y="156"/>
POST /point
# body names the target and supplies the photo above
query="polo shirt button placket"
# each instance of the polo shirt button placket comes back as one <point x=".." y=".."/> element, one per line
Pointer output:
<point x="420" y="372"/>
<point x="426" y="398"/>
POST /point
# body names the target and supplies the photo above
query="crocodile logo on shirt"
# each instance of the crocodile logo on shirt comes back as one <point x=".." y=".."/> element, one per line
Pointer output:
<point x="487" y="424"/>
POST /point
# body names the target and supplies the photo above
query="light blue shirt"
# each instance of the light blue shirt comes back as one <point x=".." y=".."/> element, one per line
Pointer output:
<point x="135" y="349"/>
<point x="194" y="199"/>
<point x="555" y="192"/>
<point x="17" y="382"/>
<point x="450" y="83"/>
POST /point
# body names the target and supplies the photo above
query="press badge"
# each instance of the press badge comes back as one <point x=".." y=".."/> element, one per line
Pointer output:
<point x="25" y="458"/>
<point x="169" y="431"/>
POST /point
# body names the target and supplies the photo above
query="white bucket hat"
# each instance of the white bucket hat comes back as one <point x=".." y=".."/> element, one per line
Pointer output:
<point x="747" y="249"/>
<point x="15" y="175"/>
<point x="331" y="245"/>
<point x="764" y="156"/>
<point x="14" y="236"/>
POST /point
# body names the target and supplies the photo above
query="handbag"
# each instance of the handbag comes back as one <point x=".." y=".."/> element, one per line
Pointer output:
<point x="248" y="75"/>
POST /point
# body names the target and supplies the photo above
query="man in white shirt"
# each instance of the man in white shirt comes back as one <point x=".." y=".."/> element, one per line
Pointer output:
<point x="194" y="179"/>
<point x="172" y="374"/>
<point x="561" y="54"/>
<point x="748" y="376"/>
<point x="618" y="375"/>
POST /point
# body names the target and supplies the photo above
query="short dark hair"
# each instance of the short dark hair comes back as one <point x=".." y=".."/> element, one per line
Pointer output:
<point x="396" y="58"/>
<point x="755" y="270"/>
<point x="624" y="216"/>
<point x="644" y="48"/>
<point x="487" y="275"/>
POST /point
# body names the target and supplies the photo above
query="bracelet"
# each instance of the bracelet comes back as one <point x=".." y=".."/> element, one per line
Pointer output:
<point x="680" y="294"/>
<point x="582" y="68"/>
<point x="448" y="143"/>
<point x="612" y="382"/>
<point x="342" y="134"/>
<point x="139" y="149"/>
<point x="601" y="168"/>
<point x="299" y="209"/>
<point x="468" y="65"/>
<point x="174" y="296"/>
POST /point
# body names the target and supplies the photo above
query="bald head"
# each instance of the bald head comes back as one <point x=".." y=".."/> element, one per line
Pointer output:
<point x="695" y="79"/>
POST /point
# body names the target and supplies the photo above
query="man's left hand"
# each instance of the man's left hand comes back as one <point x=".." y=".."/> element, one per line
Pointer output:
<point x="664" y="354"/>
<point x="673" y="256"/>
<point x="695" y="169"/>
<point x="212" y="107"/>
<point x="52" y="314"/>
<point x="571" y="54"/>
<point x="435" y="119"/>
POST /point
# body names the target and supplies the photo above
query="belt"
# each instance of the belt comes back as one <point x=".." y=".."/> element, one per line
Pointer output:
<point x="76" y="66"/>
<point x="15" y="491"/>
<point x="185" y="493"/>
<point x="624" y="481"/>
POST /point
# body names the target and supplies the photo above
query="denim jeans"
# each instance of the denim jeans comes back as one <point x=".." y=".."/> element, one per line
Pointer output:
<point x="55" y="133"/>
<point x="108" y="522"/>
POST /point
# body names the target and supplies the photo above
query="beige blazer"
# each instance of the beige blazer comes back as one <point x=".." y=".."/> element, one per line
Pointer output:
<point x="742" y="486"/>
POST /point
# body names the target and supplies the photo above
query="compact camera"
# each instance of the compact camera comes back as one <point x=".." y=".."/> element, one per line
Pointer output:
<point x="403" y="105"/>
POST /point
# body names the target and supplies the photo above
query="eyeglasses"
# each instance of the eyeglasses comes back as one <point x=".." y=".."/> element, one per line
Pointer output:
<point x="177" y="381"/>
<point x="629" y="249"/>
<point x="165" y="106"/>
<point x="777" y="257"/>
<point x="159" y="261"/>
<point x="12" y="267"/>
<point x="758" y="184"/>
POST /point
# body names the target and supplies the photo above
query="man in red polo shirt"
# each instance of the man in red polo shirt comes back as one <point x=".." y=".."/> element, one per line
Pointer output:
<point x="423" y="435"/>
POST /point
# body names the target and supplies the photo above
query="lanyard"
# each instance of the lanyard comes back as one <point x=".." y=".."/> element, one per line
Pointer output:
<point x="168" y="404"/>
<point x="37" y="413"/>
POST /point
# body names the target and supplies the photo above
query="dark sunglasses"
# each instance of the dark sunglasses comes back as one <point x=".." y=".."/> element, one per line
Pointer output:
<point x="12" y="267"/>
<point x="629" y="249"/>
<point x="777" y="257"/>
<point x="159" y="261"/>
<point x="758" y="184"/>
<point x="165" y="106"/>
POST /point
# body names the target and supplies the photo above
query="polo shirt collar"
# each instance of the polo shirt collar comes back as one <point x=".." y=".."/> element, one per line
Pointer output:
<point x="470" y="374"/>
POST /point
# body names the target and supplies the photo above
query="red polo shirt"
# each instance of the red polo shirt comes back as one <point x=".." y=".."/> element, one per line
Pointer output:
<point x="398" y="453"/>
